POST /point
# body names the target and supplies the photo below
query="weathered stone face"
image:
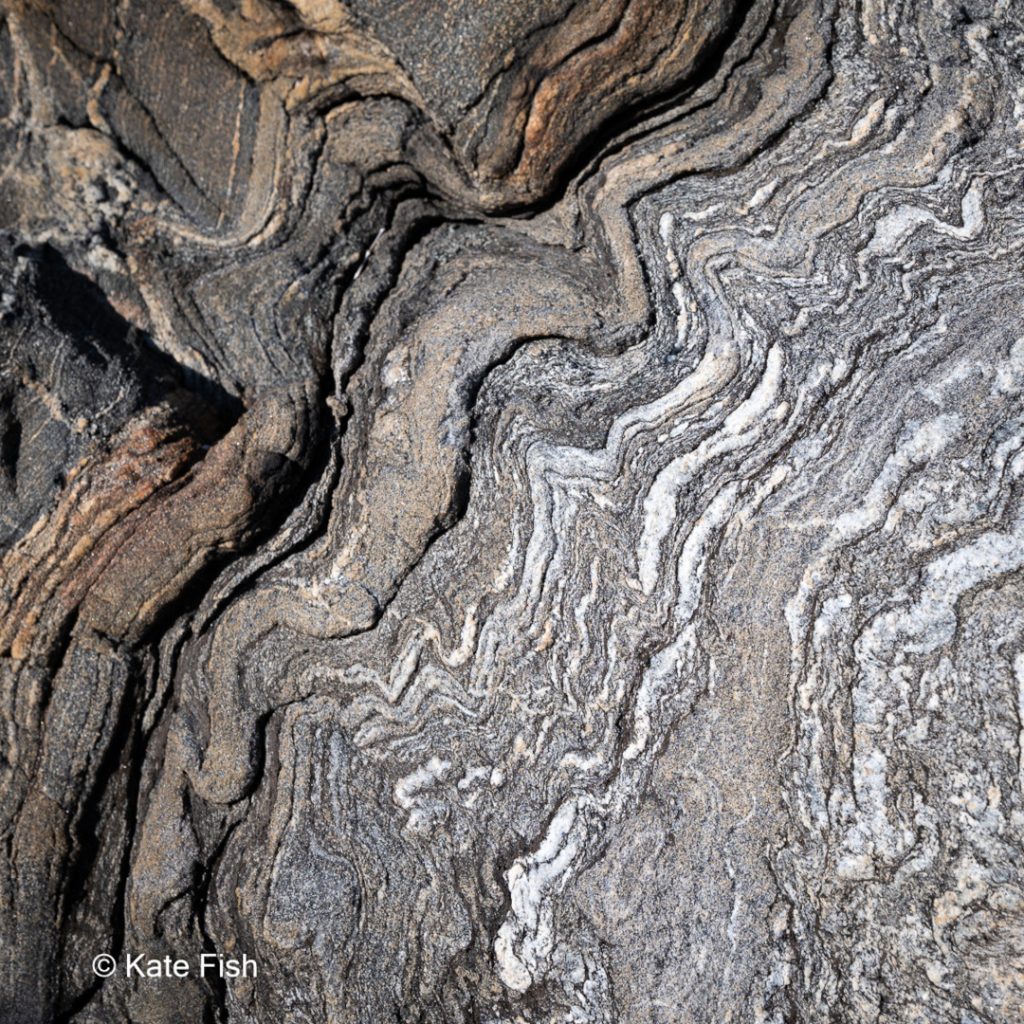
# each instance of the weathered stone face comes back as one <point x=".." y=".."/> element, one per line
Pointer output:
<point x="511" y="512"/>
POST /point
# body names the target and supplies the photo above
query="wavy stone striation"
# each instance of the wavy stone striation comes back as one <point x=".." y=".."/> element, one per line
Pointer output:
<point x="512" y="512"/>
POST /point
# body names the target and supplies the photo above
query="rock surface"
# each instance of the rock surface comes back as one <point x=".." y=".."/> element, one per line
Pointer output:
<point x="512" y="512"/>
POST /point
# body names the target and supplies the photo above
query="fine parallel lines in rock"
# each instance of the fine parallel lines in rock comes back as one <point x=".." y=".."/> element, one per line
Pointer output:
<point x="512" y="512"/>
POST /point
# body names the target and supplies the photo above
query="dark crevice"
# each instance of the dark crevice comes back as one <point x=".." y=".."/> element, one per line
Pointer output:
<point x="10" y="442"/>
<point x="122" y="756"/>
<point x="218" y="1012"/>
<point x="335" y="385"/>
<point x="80" y="310"/>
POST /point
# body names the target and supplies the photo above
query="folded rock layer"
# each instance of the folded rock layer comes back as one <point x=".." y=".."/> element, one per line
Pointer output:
<point x="512" y="512"/>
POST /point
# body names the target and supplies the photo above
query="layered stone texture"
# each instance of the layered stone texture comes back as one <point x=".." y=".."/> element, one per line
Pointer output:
<point x="512" y="512"/>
